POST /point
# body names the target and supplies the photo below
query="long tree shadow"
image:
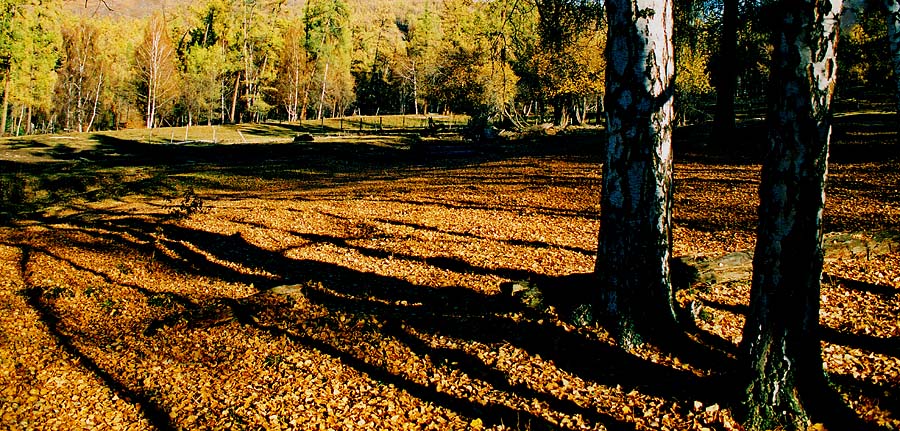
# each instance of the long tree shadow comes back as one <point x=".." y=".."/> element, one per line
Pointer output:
<point x="866" y="137"/>
<point x="454" y="312"/>
<point x="886" y="394"/>
<point x="446" y="312"/>
<point x="96" y="173"/>
<point x="861" y="286"/>
<point x="457" y="313"/>
<point x="857" y="138"/>
<point x="35" y="298"/>
<point x="513" y="242"/>
<point x="827" y="402"/>
<point x="492" y="413"/>
<point x="886" y="346"/>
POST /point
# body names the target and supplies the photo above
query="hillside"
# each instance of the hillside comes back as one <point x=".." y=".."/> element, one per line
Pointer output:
<point x="124" y="8"/>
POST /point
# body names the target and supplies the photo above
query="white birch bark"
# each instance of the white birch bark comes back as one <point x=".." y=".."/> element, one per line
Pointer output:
<point x="785" y="377"/>
<point x="636" y="206"/>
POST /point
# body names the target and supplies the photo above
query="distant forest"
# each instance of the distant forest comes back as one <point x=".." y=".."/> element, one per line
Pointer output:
<point x="82" y="66"/>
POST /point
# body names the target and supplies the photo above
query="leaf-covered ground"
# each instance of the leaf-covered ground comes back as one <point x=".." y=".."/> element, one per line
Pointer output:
<point x="358" y="284"/>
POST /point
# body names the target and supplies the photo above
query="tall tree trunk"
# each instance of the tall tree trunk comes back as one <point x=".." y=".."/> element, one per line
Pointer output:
<point x="781" y="343"/>
<point x="151" y="100"/>
<point x="415" y="95"/>
<point x="893" y="31"/>
<point x="5" y="107"/>
<point x="559" y="112"/>
<point x="322" y="96"/>
<point x="96" y="103"/>
<point x="20" y="120"/>
<point x="726" y="80"/>
<point x="234" y="98"/>
<point x="222" y="102"/>
<point x="79" y="97"/>
<point x="636" y="204"/>
<point x="295" y="94"/>
<point x="305" y="103"/>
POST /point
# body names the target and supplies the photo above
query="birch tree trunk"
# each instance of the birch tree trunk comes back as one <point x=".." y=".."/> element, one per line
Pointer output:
<point x="416" y="94"/>
<point x="322" y="95"/>
<point x="151" y="99"/>
<point x="4" y="105"/>
<point x="155" y="60"/>
<point x="636" y="204"/>
<point x="234" y="98"/>
<point x="780" y="340"/>
<point x="293" y="110"/>
<point x="96" y="103"/>
<point x="79" y="95"/>
<point x="893" y="30"/>
<point x="305" y="103"/>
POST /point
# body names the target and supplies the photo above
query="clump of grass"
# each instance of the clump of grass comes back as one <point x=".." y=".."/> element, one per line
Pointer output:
<point x="160" y="300"/>
<point x="58" y="292"/>
<point x="190" y="203"/>
<point x="273" y="360"/>
<point x="108" y="305"/>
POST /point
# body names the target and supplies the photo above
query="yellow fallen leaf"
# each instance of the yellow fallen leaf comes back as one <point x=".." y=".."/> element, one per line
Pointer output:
<point x="477" y="424"/>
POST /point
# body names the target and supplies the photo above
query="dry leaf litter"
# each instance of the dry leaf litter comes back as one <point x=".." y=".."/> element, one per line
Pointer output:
<point x="371" y="299"/>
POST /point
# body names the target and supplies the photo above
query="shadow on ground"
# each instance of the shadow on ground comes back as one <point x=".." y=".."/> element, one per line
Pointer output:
<point x="407" y="312"/>
<point x="402" y="308"/>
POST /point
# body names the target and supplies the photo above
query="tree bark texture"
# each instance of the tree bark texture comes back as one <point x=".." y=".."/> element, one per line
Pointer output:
<point x="636" y="204"/>
<point x="780" y="337"/>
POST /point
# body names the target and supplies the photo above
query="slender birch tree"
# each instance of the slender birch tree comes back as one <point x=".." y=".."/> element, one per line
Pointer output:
<point x="155" y="59"/>
<point x="636" y="205"/>
<point x="780" y="339"/>
<point x="81" y="75"/>
<point x="294" y="69"/>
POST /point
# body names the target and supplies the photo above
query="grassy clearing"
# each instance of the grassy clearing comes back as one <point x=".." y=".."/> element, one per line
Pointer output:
<point x="229" y="133"/>
<point x="45" y="171"/>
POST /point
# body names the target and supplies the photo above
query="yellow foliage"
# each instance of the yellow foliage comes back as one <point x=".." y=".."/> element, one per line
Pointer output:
<point x="692" y="75"/>
<point x="576" y="70"/>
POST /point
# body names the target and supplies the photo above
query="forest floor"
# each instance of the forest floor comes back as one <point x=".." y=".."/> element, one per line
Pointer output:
<point x="359" y="283"/>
